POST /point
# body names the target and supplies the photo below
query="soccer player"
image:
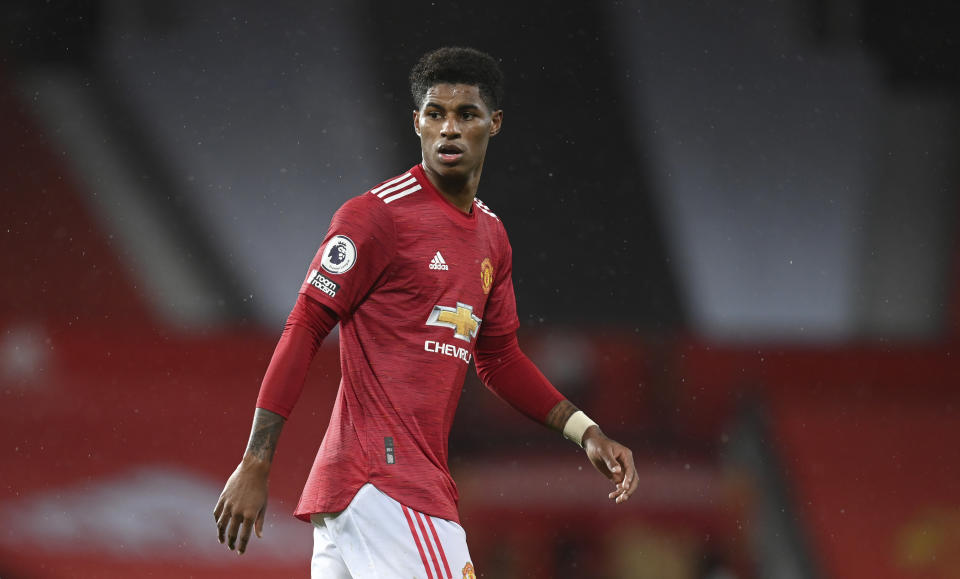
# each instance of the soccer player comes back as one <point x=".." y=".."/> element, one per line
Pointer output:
<point x="418" y="272"/>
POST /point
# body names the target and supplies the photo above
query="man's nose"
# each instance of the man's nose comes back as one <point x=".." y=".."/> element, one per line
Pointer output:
<point x="450" y="127"/>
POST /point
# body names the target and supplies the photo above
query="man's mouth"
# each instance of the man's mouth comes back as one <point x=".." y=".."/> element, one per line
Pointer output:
<point x="449" y="153"/>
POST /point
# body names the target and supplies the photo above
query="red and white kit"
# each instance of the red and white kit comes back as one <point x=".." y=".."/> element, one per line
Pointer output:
<point x="376" y="537"/>
<point x="416" y="284"/>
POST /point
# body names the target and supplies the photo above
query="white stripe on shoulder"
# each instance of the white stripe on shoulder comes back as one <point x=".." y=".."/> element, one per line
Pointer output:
<point x="390" y="182"/>
<point x="483" y="207"/>
<point x="403" y="193"/>
<point x="396" y="187"/>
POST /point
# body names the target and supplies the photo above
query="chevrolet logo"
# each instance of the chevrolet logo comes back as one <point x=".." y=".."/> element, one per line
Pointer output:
<point x="460" y="318"/>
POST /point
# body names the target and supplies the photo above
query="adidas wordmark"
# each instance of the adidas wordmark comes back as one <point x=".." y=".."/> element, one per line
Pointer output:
<point x="438" y="263"/>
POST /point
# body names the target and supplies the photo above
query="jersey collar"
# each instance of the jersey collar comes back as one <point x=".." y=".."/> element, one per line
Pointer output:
<point x="465" y="219"/>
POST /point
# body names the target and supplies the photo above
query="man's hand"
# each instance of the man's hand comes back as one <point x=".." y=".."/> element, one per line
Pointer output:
<point x="243" y="502"/>
<point x="613" y="460"/>
<point x="242" y="505"/>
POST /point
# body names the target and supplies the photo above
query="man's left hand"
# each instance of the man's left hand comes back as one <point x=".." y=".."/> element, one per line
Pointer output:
<point x="613" y="460"/>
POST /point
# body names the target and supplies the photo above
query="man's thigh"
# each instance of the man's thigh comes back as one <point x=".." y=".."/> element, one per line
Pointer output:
<point x="377" y="537"/>
<point x="327" y="562"/>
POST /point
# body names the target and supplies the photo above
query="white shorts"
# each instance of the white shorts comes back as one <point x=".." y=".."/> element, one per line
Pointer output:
<point x="376" y="537"/>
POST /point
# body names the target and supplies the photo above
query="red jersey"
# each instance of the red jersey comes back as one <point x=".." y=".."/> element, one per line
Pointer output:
<point x="414" y="281"/>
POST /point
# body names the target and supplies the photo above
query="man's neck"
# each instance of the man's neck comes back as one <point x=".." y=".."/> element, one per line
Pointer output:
<point x="459" y="192"/>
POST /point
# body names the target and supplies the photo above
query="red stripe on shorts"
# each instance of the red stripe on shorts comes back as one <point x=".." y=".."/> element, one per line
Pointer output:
<point x="416" y="539"/>
<point x="426" y="539"/>
<point x="436" y="539"/>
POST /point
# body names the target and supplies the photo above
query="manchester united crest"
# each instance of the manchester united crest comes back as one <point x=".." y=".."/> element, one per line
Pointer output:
<point x="486" y="275"/>
<point x="468" y="571"/>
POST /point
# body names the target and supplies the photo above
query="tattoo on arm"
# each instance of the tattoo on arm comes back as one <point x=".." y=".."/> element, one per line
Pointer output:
<point x="559" y="415"/>
<point x="264" y="434"/>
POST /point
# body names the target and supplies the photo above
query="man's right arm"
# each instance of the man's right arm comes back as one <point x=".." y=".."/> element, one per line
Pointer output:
<point x="243" y="502"/>
<point x="335" y="284"/>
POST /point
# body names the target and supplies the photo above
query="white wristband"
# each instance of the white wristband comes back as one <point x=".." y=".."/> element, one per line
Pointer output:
<point x="575" y="427"/>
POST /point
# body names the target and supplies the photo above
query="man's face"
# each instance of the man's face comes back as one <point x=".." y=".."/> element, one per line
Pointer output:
<point x="455" y="125"/>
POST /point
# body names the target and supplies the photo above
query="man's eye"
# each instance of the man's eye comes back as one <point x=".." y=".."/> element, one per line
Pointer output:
<point x="468" y="116"/>
<point x="433" y="115"/>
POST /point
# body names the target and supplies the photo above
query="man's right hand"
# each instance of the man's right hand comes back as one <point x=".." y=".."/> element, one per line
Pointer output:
<point x="242" y="504"/>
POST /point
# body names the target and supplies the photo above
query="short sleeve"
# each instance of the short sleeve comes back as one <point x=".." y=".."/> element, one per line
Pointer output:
<point x="500" y="314"/>
<point x="356" y="250"/>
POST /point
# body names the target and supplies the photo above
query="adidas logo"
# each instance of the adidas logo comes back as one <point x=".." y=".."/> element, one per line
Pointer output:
<point x="438" y="263"/>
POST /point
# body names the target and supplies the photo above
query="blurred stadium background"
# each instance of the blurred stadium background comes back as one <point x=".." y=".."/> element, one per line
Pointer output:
<point x="735" y="231"/>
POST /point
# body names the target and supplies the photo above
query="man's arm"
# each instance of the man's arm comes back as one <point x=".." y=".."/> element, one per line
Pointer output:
<point x="507" y="371"/>
<point x="612" y="459"/>
<point x="243" y="501"/>
<point x="559" y="415"/>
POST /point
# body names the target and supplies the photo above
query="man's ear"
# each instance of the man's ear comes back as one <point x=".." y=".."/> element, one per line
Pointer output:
<point x="416" y="122"/>
<point x="496" y="122"/>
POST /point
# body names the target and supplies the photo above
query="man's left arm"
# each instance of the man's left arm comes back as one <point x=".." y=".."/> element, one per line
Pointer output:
<point x="510" y="374"/>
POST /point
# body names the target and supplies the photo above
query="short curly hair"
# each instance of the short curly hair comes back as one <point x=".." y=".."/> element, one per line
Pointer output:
<point x="458" y="65"/>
